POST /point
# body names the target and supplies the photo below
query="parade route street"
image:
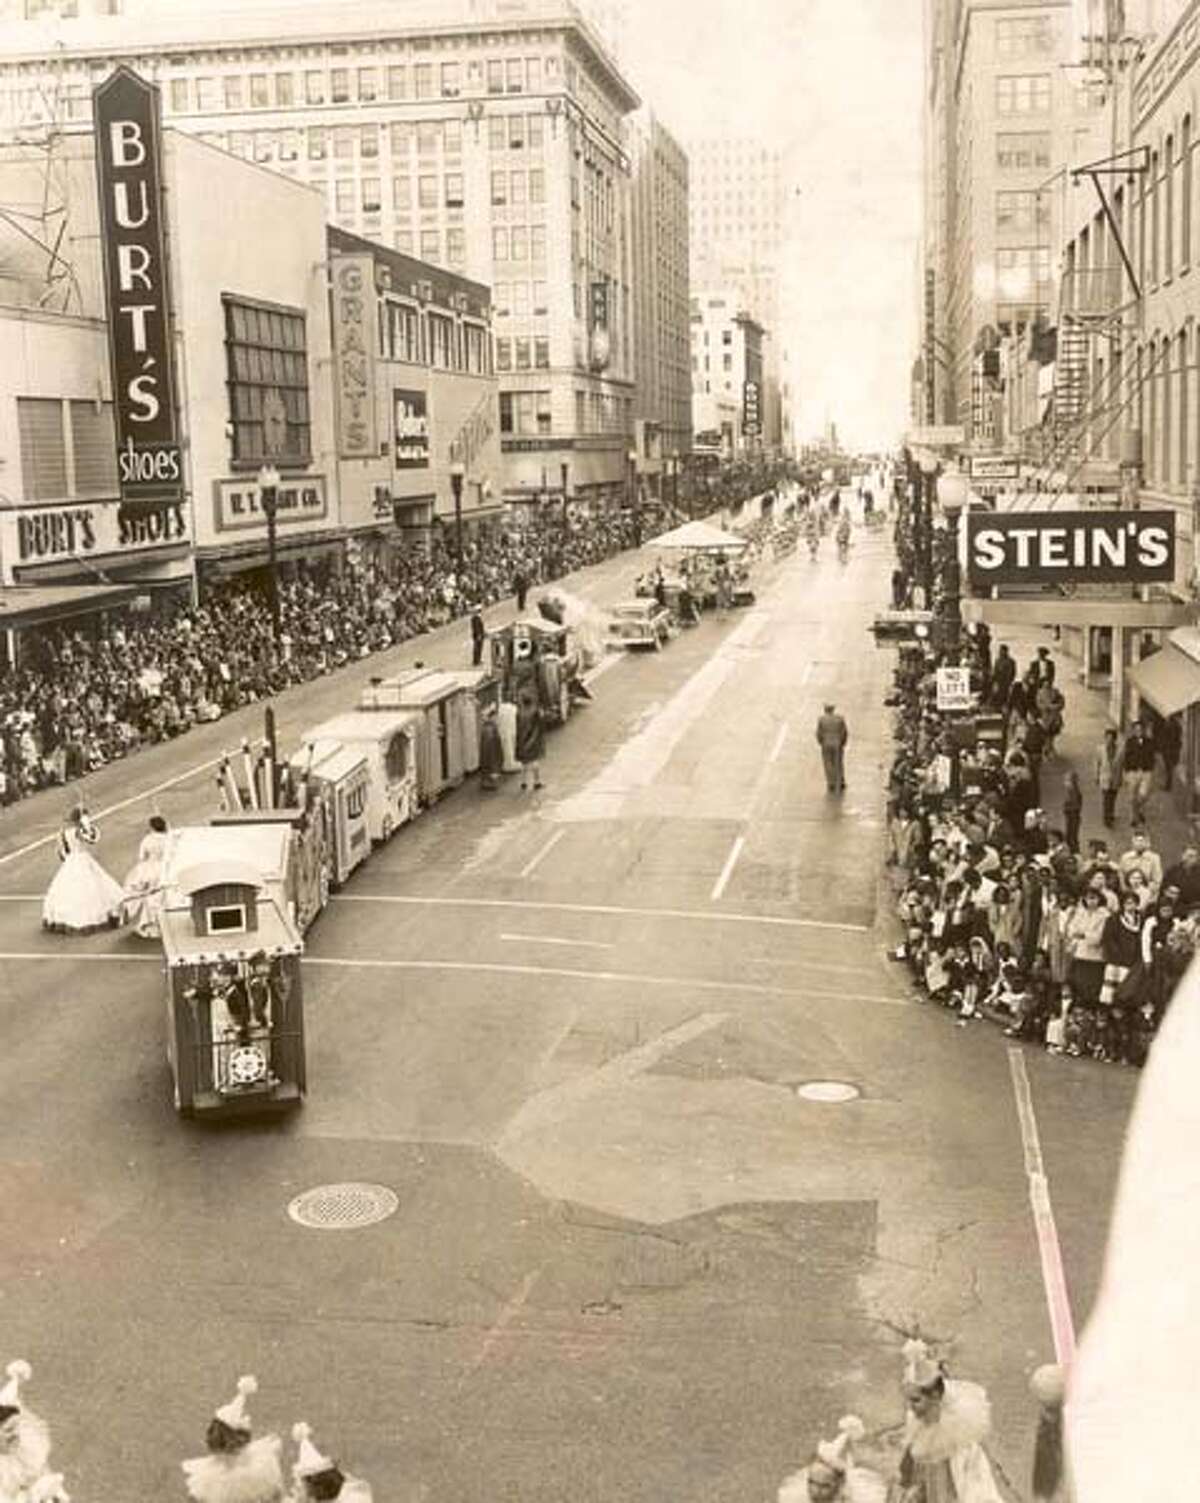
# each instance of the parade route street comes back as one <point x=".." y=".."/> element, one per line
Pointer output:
<point x="566" y="1029"/>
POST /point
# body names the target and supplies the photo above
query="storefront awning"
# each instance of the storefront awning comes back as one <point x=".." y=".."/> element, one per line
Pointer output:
<point x="1169" y="680"/>
<point x="34" y="605"/>
<point x="1154" y="615"/>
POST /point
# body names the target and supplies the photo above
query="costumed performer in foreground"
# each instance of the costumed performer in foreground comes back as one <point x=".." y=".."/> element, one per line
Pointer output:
<point x="944" y="1460"/>
<point x="143" y="897"/>
<point x="317" y="1479"/>
<point x="831" y="1476"/>
<point x="24" y="1443"/>
<point x="82" y="896"/>
<point x="237" y="1469"/>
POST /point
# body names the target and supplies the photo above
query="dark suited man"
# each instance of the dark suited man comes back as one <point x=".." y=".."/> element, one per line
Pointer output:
<point x="832" y="736"/>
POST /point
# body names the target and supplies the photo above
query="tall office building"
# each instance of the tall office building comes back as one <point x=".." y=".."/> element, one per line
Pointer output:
<point x="485" y="136"/>
<point x="738" y="227"/>
<point x="662" y="312"/>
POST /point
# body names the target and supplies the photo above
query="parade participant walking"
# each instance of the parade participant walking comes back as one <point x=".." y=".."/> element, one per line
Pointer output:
<point x="832" y="1476"/>
<point x="1138" y="764"/>
<point x="319" y="1479"/>
<point x="237" y="1469"/>
<point x="82" y="897"/>
<point x="1109" y="774"/>
<point x="947" y="1421"/>
<point x="520" y="588"/>
<point x="478" y="636"/>
<point x="832" y="735"/>
<point x="143" y="898"/>
<point x="24" y="1443"/>
<point x="531" y="742"/>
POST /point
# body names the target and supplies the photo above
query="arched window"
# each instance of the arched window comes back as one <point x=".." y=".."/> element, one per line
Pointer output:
<point x="1168" y="223"/>
<point x="1183" y="403"/>
<point x="1185" y="194"/>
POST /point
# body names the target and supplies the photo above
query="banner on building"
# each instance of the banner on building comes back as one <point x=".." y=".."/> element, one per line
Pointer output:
<point x="1070" y="547"/>
<point x="751" y="409"/>
<point x="411" y="423"/>
<point x="353" y="356"/>
<point x="127" y="113"/>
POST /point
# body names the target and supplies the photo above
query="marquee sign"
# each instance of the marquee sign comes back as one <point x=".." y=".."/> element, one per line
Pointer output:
<point x="129" y="178"/>
<point x="354" y="365"/>
<point x="1070" y="547"/>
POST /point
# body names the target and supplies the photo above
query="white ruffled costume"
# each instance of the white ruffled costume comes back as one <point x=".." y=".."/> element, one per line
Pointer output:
<point x="311" y="1463"/>
<point x="25" y="1475"/>
<point x="82" y="897"/>
<point x="253" y="1474"/>
<point x="949" y="1452"/>
<point x="143" y="896"/>
<point x="859" y="1484"/>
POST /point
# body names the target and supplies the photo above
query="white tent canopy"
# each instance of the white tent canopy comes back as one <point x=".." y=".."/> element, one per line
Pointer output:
<point x="700" y="537"/>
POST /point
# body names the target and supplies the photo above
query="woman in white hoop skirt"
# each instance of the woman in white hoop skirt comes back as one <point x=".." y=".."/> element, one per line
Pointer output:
<point x="82" y="897"/>
<point x="143" y="886"/>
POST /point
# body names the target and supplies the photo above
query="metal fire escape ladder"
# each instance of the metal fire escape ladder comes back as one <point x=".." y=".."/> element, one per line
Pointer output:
<point x="1131" y="396"/>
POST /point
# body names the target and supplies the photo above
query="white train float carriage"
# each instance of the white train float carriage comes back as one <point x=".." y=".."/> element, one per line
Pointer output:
<point x="234" y="994"/>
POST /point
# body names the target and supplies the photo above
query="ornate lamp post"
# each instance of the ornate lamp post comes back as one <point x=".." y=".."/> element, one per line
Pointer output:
<point x="634" y="500"/>
<point x="458" y="472"/>
<point x="268" y="495"/>
<point x="952" y="497"/>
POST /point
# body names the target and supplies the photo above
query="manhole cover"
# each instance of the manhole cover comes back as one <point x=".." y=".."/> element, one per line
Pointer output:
<point x="828" y="1091"/>
<point x="339" y="1208"/>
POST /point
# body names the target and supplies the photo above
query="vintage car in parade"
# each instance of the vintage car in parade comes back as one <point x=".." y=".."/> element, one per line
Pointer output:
<point x="640" y="623"/>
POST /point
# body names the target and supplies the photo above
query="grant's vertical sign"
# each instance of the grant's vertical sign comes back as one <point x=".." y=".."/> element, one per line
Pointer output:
<point x="129" y="176"/>
<point x="357" y="432"/>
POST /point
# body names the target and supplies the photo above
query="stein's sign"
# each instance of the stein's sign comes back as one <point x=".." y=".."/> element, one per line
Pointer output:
<point x="1070" y="547"/>
<point x="129" y="178"/>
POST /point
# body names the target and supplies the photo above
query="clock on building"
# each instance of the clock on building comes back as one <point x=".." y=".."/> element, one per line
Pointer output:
<point x="274" y="422"/>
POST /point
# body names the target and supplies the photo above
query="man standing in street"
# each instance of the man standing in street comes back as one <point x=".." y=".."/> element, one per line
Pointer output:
<point x="478" y="634"/>
<point x="1004" y="670"/>
<point x="832" y="736"/>
<point x="1109" y="771"/>
<point x="520" y="588"/>
<point x="531" y="742"/>
<point x="1138" y="763"/>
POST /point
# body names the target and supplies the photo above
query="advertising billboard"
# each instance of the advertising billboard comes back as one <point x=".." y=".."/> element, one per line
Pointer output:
<point x="412" y="429"/>
<point x="1070" y="547"/>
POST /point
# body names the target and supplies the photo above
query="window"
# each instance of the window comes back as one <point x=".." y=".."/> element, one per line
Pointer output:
<point x="1023" y="94"/>
<point x="397" y="82"/>
<point x="285" y="90"/>
<point x="401" y="134"/>
<point x="515" y="75"/>
<point x="402" y="193"/>
<point x="372" y="200"/>
<point x="533" y="74"/>
<point x="525" y="412"/>
<point x="427" y="192"/>
<point x="232" y="86"/>
<point x="368" y="140"/>
<point x="318" y="143"/>
<point x="43" y="448"/>
<point x="537" y="131"/>
<point x="343" y="195"/>
<point x="521" y="350"/>
<point x="451" y="73"/>
<point x="537" y="186"/>
<point x="495" y="76"/>
<point x="343" y="143"/>
<point x="497" y="133"/>
<point x="542" y="411"/>
<point x="454" y="190"/>
<point x="429" y="136"/>
<point x="423" y="80"/>
<point x="474" y="349"/>
<point x="727" y="362"/>
<point x="540" y="301"/>
<point x="266" y="351"/>
<point x="260" y="91"/>
<point x="501" y="296"/>
<point x="403" y="330"/>
<point x="499" y="243"/>
<point x="1169" y="207"/>
<point x="452" y="136"/>
<point x="516" y="132"/>
<point x="93" y="444"/>
<point x="368" y="85"/>
<point x="1025" y="151"/>
<point x="519" y="243"/>
<point x="179" y="95"/>
<point x="339" y="85"/>
<point x="1021" y="37"/>
<point x="1022" y="212"/>
<point x="537" y="242"/>
<point x="1185" y="195"/>
<point x="456" y="247"/>
<point x="431" y="245"/>
<point x="504" y="354"/>
<point x="403" y="241"/>
<point x="541" y="354"/>
<point x="207" y="97"/>
<point x="314" y="88"/>
<point x="1155" y="214"/>
<point x="441" y="341"/>
<point x="229" y="918"/>
<point x="521" y="299"/>
<point x="499" y="188"/>
<point x="289" y="145"/>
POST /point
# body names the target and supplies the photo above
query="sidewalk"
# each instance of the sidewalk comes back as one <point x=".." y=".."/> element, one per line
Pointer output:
<point x="1084" y="722"/>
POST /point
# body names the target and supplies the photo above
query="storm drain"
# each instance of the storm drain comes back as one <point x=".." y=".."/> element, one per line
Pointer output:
<point x="343" y="1208"/>
<point x="829" y="1092"/>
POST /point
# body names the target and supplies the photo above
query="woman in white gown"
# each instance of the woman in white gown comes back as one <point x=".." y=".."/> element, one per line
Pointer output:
<point x="143" y="886"/>
<point x="82" y="897"/>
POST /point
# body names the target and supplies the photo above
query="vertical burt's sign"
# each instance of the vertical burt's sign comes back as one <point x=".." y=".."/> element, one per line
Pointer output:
<point x="129" y="177"/>
<point x="353" y="280"/>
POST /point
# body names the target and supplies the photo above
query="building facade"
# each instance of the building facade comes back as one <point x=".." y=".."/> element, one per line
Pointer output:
<point x="662" y="304"/>
<point x="488" y="141"/>
<point x="727" y="354"/>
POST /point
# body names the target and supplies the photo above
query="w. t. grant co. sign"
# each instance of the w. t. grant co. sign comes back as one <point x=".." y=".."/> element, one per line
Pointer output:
<point x="1070" y="547"/>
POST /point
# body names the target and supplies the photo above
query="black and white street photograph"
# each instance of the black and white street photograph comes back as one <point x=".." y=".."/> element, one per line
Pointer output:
<point x="599" y="751"/>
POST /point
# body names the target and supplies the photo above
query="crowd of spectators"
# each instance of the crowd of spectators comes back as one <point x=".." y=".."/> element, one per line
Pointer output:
<point x="1004" y="918"/>
<point x="86" y="694"/>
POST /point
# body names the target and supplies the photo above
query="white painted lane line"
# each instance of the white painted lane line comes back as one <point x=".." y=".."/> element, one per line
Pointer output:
<point x="605" y="665"/>
<point x="510" y="1312"/>
<point x="546" y="939"/>
<point x="20" y="897"/>
<point x="531" y="866"/>
<point x="688" y="914"/>
<point x="125" y="803"/>
<point x="1054" y="1278"/>
<point x="731" y="861"/>
<point x="89" y="955"/>
<point x="778" y="747"/>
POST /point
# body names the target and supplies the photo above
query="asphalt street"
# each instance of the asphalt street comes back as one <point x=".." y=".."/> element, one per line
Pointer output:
<point x="566" y="1029"/>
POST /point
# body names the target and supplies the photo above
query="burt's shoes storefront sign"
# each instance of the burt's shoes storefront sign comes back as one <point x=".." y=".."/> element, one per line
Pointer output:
<point x="1076" y="548"/>
<point x="38" y="541"/>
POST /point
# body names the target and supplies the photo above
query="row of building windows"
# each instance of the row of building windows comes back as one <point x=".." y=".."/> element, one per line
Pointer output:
<point x="1020" y="37"/>
<point x="517" y="242"/>
<point x="68" y="449"/>
<point x="522" y="354"/>
<point x="267" y="362"/>
<point x="520" y="299"/>
<point x="1023" y="151"/>
<point x="518" y="187"/>
<point x="1023" y="94"/>
<point x="434" y="339"/>
<point x="525" y="413"/>
<point x="1021" y="212"/>
<point x="395" y="83"/>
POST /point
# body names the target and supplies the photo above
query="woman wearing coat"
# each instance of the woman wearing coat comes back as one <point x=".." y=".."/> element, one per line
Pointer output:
<point x="1085" y="943"/>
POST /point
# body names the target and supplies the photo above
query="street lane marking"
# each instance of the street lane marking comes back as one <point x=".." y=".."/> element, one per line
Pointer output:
<point x="605" y="665"/>
<point x="546" y="939"/>
<point x="778" y="747"/>
<point x="510" y="1312"/>
<point x="705" y="916"/>
<point x="81" y="955"/>
<point x="1054" y="1278"/>
<point x="531" y="866"/>
<point x="731" y="861"/>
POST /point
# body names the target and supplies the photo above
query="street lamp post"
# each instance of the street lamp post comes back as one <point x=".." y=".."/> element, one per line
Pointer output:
<point x="634" y="499"/>
<point x="923" y="524"/>
<point x="268" y="494"/>
<point x="458" y="472"/>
